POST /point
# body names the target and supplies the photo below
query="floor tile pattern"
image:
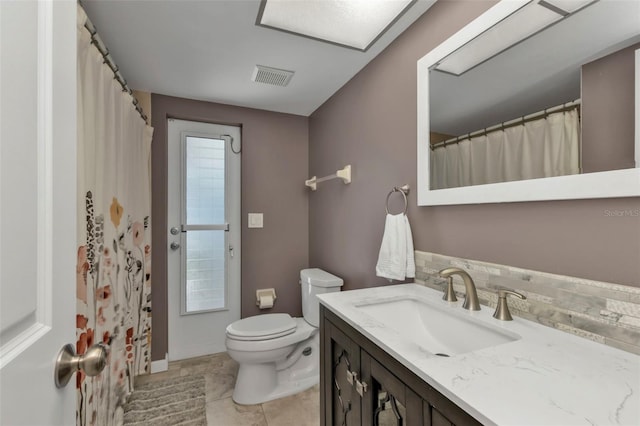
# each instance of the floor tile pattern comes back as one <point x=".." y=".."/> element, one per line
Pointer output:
<point x="219" y="372"/>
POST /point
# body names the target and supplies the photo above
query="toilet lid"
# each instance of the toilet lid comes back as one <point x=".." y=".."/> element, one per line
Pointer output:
<point x="260" y="327"/>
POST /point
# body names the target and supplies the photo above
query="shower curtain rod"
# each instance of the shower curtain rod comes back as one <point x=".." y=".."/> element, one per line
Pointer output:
<point x="108" y="59"/>
<point x="512" y="123"/>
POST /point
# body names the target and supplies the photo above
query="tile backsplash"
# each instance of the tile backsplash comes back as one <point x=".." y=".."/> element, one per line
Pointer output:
<point x="604" y="312"/>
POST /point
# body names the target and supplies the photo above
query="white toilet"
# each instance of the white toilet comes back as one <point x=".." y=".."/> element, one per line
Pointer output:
<point x="279" y="355"/>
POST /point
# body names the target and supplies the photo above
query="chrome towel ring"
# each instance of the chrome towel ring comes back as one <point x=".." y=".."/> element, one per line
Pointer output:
<point x="404" y="190"/>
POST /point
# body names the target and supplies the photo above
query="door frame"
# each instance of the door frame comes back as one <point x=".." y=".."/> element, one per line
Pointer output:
<point x="209" y="340"/>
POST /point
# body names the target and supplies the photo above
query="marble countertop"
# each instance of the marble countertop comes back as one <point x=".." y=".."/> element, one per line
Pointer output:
<point x="547" y="377"/>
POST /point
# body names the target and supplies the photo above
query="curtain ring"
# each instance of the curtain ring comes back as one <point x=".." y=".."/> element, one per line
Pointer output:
<point x="396" y="189"/>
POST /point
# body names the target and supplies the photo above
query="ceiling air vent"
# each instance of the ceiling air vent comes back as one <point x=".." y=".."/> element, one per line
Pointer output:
<point x="272" y="76"/>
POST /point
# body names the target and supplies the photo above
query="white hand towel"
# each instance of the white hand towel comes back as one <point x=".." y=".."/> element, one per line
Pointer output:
<point x="411" y="262"/>
<point x="392" y="259"/>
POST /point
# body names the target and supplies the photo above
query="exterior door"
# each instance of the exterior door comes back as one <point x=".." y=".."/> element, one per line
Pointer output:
<point x="203" y="236"/>
<point x="37" y="208"/>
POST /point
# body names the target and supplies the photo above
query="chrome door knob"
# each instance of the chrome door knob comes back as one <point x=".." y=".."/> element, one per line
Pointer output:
<point x="174" y="246"/>
<point x="92" y="362"/>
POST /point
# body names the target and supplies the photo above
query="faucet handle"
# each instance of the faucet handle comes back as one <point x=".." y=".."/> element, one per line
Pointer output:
<point x="502" y="309"/>
<point x="503" y="292"/>
<point x="449" y="295"/>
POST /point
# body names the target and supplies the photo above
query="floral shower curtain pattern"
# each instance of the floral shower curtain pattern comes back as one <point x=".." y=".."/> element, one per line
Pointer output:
<point x="114" y="257"/>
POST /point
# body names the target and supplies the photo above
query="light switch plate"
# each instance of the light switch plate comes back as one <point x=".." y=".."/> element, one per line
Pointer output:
<point x="255" y="220"/>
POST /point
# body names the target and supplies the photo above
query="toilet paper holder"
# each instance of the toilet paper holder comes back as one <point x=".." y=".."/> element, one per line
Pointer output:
<point x="265" y="298"/>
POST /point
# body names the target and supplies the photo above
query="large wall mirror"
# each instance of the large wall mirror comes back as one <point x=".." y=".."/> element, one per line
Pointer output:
<point x="533" y="100"/>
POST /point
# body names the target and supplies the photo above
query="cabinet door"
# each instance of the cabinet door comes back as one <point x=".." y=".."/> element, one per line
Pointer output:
<point x="439" y="411"/>
<point x="341" y="359"/>
<point x="387" y="401"/>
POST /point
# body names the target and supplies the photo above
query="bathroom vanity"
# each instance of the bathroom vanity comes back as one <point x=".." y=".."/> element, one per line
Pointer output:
<point x="401" y="352"/>
<point x="357" y="378"/>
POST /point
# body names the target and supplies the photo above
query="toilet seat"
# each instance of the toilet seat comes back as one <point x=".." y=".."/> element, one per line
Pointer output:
<point x="302" y="331"/>
<point x="262" y="327"/>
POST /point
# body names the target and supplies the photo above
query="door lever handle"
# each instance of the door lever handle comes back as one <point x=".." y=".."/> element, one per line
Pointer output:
<point x="230" y="251"/>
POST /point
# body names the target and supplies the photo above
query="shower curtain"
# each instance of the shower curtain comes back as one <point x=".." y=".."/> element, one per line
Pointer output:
<point x="546" y="147"/>
<point x="114" y="258"/>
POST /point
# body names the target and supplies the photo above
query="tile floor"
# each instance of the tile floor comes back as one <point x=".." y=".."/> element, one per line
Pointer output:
<point x="219" y="372"/>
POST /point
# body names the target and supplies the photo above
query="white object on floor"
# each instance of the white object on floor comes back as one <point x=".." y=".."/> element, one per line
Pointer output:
<point x="279" y="355"/>
<point x="396" y="260"/>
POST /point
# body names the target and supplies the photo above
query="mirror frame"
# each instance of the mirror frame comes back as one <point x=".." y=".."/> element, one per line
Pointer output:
<point x="607" y="184"/>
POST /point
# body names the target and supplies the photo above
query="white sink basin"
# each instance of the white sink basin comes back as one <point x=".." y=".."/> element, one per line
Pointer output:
<point x="439" y="330"/>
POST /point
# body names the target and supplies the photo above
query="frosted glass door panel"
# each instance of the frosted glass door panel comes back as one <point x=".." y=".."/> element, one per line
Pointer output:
<point x="204" y="180"/>
<point x="204" y="215"/>
<point x="205" y="268"/>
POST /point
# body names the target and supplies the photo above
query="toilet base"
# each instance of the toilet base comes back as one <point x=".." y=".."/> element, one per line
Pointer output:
<point x="258" y="383"/>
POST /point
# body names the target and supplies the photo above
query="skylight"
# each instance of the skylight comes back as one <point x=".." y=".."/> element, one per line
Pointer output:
<point x="351" y="23"/>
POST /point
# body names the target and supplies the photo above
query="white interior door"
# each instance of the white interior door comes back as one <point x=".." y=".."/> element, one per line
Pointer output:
<point x="37" y="208"/>
<point x="203" y="236"/>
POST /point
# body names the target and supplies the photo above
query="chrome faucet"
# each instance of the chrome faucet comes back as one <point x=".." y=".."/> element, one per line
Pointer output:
<point x="471" y="301"/>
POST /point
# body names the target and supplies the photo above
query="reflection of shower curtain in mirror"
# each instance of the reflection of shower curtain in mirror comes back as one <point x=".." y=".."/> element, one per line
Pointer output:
<point x="114" y="258"/>
<point x="540" y="148"/>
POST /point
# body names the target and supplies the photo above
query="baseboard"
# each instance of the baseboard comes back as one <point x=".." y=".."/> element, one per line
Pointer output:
<point x="160" y="365"/>
<point x="196" y="349"/>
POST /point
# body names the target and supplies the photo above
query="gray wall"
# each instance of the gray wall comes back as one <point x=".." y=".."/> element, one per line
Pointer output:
<point x="371" y="123"/>
<point x="274" y="167"/>
<point x="608" y="106"/>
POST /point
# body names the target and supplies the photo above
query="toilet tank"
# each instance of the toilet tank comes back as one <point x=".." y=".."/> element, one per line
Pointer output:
<point x="316" y="281"/>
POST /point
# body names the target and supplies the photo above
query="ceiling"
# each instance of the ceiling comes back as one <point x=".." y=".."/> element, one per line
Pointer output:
<point x="207" y="50"/>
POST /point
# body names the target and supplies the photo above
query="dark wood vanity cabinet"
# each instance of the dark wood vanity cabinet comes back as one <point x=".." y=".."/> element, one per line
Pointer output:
<point x="340" y="358"/>
<point x="360" y="384"/>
